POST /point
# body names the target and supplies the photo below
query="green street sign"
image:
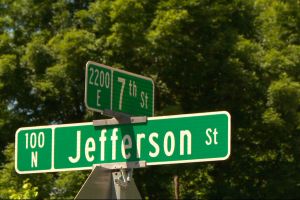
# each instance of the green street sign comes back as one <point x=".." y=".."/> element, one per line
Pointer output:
<point x="107" y="88"/>
<point x="172" y="139"/>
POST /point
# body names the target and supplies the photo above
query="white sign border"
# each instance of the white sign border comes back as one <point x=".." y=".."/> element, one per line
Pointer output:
<point x="148" y="164"/>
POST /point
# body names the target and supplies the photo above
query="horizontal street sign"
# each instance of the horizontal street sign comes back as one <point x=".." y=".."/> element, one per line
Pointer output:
<point x="172" y="139"/>
<point x="108" y="88"/>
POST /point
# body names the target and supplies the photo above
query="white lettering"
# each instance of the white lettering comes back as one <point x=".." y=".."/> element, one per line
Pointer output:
<point x="33" y="140"/>
<point x="102" y="78"/>
<point x="97" y="76"/>
<point x="89" y="147"/>
<point x="126" y="146"/>
<point x="122" y="81"/>
<point x="170" y="151"/>
<point x="41" y="139"/>
<point x="26" y="144"/>
<point x="215" y="136"/>
<point x="122" y="146"/>
<point x="143" y="101"/>
<point x="76" y="159"/>
<point x="139" y="137"/>
<point x="114" y="138"/>
<point x="98" y="97"/>
<point x="208" y="131"/>
<point x="154" y="144"/>
<point x="186" y="133"/>
<point x="34" y="159"/>
<point x="107" y="80"/>
<point x="102" y="140"/>
<point x="91" y="77"/>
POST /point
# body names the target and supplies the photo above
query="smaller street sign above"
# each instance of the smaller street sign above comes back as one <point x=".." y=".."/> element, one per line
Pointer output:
<point x="107" y="88"/>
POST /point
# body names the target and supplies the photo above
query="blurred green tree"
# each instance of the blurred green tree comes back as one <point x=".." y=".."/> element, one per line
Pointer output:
<point x="239" y="56"/>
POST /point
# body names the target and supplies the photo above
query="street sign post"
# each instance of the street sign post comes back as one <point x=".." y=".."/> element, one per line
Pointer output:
<point x="107" y="88"/>
<point x="173" y="139"/>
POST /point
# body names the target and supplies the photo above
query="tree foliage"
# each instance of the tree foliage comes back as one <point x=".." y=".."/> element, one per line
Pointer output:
<point x="239" y="56"/>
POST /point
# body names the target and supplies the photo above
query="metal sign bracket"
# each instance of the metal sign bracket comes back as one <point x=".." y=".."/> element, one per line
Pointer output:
<point x="111" y="181"/>
<point x="119" y="118"/>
